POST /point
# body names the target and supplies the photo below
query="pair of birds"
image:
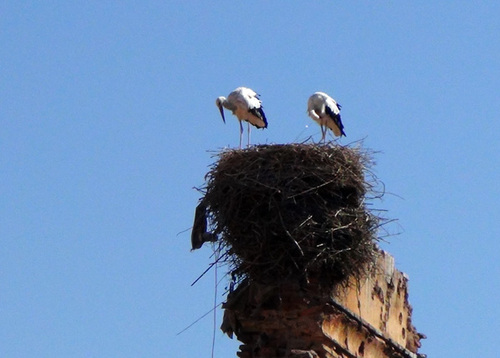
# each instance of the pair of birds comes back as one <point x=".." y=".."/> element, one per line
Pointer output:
<point x="246" y="106"/>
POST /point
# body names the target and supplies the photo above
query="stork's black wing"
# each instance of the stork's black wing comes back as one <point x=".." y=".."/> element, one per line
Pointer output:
<point x="259" y="113"/>
<point x="336" y="118"/>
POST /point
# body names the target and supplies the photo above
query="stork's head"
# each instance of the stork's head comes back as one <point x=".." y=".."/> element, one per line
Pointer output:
<point x="218" y="102"/>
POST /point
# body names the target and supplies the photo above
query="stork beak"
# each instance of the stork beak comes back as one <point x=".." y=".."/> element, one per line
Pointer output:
<point x="222" y="113"/>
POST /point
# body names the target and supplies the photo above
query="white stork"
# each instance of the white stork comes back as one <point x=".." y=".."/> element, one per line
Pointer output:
<point x="326" y="112"/>
<point x="246" y="106"/>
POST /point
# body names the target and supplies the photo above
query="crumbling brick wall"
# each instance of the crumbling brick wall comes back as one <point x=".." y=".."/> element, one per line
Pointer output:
<point x="369" y="317"/>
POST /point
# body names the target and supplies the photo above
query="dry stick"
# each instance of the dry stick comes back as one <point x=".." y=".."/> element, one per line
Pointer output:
<point x="290" y="235"/>
<point x="209" y="267"/>
<point x="313" y="188"/>
<point x="198" y="320"/>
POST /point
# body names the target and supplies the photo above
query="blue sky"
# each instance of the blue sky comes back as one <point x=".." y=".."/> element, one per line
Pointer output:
<point x="108" y="121"/>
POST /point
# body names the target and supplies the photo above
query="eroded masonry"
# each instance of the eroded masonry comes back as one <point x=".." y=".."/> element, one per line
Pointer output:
<point x="294" y="225"/>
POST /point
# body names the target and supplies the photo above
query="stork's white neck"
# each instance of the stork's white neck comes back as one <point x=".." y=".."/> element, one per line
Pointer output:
<point x="229" y="105"/>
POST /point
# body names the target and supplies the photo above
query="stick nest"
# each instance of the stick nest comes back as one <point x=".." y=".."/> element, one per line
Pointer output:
<point x="292" y="211"/>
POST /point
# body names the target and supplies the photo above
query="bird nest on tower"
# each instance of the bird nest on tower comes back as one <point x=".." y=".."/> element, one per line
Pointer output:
<point x="294" y="211"/>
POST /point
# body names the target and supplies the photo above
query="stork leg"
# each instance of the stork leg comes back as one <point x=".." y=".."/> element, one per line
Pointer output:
<point x="323" y="133"/>
<point x="241" y="132"/>
<point x="248" y="143"/>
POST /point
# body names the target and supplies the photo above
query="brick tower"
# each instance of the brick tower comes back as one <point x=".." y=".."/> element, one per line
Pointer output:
<point x="308" y="279"/>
